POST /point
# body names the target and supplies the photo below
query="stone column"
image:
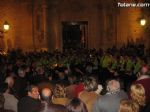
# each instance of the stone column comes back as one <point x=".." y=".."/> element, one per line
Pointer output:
<point x="44" y="21"/>
<point x="53" y="26"/>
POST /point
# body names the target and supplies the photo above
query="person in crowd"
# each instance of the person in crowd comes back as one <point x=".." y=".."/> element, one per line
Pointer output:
<point x="10" y="81"/>
<point x="76" y="105"/>
<point x="137" y="93"/>
<point x="40" y="75"/>
<point x="2" y="100"/>
<point x="62" y="77"/>
<point x="47" y="105"/>
<point x="70" y="89"/>
<point x="59" y="95"/>
<point x="20" y="82"/>
<point x="144" y="79"/>
<point x="31" y="102"/>
<point x="137" y="66"/>
<point x="79" y="87"/>
<point x="110" y="101"/>
<point x="89" y="96"/>
<point x="128" y="106"/>
<point x="10" y="100"/>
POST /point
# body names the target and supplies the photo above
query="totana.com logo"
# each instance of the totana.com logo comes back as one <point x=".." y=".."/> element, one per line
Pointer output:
<point x="123" y="4"/>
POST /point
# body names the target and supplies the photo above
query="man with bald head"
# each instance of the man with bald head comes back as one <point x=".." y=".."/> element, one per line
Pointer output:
<point x="46" y="95"/>
<point x="47" y="105"/>
<point x="110" y="101"/>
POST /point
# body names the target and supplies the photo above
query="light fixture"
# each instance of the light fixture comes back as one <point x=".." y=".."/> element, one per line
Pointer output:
<point x="142" y="22"/>
<point x="6" y="26"/>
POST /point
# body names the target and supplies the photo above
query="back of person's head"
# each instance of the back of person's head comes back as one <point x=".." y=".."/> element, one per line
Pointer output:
<point x="113" y="85"/>
<point x="90" y="84"/>
<point x="47" y="106"/>
<point x="76" y="105"/>
<point x="46" y="95"/>
<point x="2" y="100"/>
<point x="128" y="106"/>
<point x="137" y="93"/>
<point x="59" y="91"/>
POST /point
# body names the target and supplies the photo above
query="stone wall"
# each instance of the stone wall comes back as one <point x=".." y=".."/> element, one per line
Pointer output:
<point x="38" y="25"/>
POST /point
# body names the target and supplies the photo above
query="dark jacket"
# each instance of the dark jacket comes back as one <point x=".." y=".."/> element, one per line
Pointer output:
<point x="28" y="104"/>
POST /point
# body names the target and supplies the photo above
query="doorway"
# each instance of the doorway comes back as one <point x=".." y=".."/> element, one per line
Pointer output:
<point x="74" y="35"/>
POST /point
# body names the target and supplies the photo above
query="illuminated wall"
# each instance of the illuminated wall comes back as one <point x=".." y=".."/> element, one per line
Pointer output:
<point x="38" y="25"/>
<point x="128" y="25"/>
<point x="19" y="18"/>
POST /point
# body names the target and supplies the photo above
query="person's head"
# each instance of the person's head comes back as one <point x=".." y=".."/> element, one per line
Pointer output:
<point x="144" y="70"/>
<point x="137" y="93"/>
<point x="10" y="81"/>
<point x="2" y="100"/>
<point x="22" y="71"/>
<point x="113" y="85"/>
<point x="46" y="95"/>
<point x="76" y="105"/>
<point x="72" y="79"/>
<point x="90" y="84"/>
<point x="61" y="75"/>
<point x="128" y="106"/>
<point x="33" y="91"/>
<point x="59" y="91"/>
<point x="40" y="70"/>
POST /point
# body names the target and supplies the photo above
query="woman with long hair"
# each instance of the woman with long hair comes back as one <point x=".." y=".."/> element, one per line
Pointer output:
<point x="137" y="93"/>
<point x="128" y="106"/>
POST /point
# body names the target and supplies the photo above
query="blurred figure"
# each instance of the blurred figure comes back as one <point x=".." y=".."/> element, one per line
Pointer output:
<point x="89" y="96"/>
<point x="144" y="79"/>
<point x="47" y="105"/>
<point x="70" y="90"/>
<point x="10" y="81"/>
<point x="110" y="101"/>
<point x="128" y="106"/>
<point x="20" y="82"/>
<point x="2" y="100"/>
<point x="138" y="96"/>
<point x="10" y="100"/>
<point x="31" y="102"/>
<point x="76" y="105"/>
<point x="59" y="95"/>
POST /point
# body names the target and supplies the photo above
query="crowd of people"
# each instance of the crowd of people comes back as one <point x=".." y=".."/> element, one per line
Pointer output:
<point x="76" y="80"/>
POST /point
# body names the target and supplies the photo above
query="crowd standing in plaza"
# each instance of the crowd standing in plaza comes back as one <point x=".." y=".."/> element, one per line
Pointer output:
<point x="76" y="80"/>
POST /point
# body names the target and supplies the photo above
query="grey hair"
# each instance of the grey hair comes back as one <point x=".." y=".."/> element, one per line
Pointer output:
<point x="113" y="85"/>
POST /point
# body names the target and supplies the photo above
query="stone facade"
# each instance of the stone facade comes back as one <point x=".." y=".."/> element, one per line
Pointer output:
<point x="37" y="24"/>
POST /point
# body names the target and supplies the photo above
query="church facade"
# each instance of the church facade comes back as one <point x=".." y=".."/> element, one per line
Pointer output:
<point x="46" y="24"/>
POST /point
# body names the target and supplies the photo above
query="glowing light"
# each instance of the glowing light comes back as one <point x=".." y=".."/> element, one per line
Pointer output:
<point x="143" y="22"/>
<point x="6" y="26"/>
